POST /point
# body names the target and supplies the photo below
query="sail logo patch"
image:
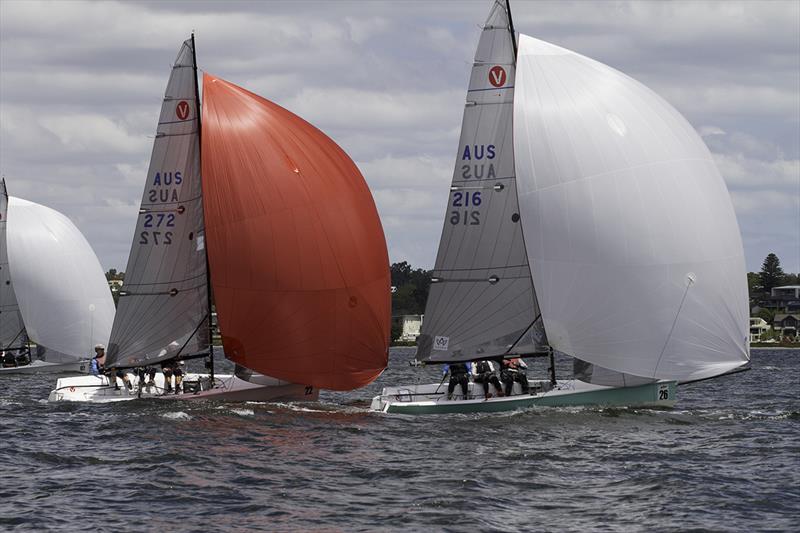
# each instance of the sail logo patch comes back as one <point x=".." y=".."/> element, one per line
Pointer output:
<point x="182" y="110"/>
<point x="441" y="343"/>
<point x="497" y="76"/>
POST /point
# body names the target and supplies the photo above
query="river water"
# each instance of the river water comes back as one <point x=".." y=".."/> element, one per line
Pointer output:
<point x="726" y="458"/>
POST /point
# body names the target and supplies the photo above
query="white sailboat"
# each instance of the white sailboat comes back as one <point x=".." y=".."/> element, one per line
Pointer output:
<point x="55" y="304"/>
<point x="314" y="316"/>
<point x="585" y="215"/>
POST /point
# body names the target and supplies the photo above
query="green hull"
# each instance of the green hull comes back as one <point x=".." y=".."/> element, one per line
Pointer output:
<point x="660" y="394"/>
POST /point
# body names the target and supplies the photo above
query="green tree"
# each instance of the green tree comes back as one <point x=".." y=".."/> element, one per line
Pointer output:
<point x="753" y="283"/>
<point x="791" y="279"/>
<point x="768" y="315"/>
<point x="771" y="274"/>
<point x="397" y="330"/>
<point x="412" y="286"/>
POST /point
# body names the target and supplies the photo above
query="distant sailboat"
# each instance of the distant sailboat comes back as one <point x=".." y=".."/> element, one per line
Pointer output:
<point x="54" y="292"/>
<point x="13" y="337"/>
<point x="281" y="227"/>
<point x="586" y="215"/>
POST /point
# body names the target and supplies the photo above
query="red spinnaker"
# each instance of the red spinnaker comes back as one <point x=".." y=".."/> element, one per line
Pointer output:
<point x="298" y="258"/>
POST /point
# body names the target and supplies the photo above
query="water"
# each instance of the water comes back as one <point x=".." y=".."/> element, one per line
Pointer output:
<point x="726" y="458"/>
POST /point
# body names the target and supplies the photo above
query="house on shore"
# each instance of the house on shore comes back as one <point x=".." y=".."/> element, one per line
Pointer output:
<point x="785" y="298"/>
<point x="786" y="324"/>
<point x="411" y="325"/>
<point x="758" y="327"/>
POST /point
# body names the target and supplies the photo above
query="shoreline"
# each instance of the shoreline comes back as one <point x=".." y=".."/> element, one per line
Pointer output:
<point x="775" y="347"/>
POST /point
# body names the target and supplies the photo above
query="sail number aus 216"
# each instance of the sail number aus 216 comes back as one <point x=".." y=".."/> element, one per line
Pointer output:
<point x="467" y="217"/>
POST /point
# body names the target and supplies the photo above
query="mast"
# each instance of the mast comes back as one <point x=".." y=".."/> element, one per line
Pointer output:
<point x="511" y="28"/>
<point x="208" y="274"/>
<point x="522" y="228"/>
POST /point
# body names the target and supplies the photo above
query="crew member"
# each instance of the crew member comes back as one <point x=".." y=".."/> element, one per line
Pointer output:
<point x="459" y="375"/>
<point x="483" y="371"/>
<point x="9" y="361"/>
<point x="98" y="364"/>
<point x="172" y="367"/>
<point x="514" y="370"/>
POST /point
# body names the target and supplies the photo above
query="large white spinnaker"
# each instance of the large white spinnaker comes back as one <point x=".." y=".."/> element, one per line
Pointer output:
<point x="12" y="330"/>
<point x="632" y="239"/>
<point x="62" y="292"/>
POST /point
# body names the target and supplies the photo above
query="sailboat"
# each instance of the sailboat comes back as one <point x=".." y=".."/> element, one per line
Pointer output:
<point x="55" y="304"/>
<point x="586" y="216"/>
<point x="250" y="204"/>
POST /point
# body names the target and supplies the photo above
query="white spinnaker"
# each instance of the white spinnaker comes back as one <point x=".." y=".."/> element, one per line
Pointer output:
<point x="61" y="289"/>
<point x="631" y="236"/>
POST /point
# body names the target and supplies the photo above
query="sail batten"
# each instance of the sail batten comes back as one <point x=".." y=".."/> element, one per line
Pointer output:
<point x="633" y="243"/>
<point x="482" y="303"/>
<point x="163" y="306"/>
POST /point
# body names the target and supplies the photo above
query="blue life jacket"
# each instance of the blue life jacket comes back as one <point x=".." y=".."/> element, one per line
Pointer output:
<point x="94" y="368"/>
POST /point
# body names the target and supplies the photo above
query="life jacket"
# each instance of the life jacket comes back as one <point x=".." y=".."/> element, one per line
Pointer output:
<point x="94" y="368"/>
<point x="458" y="369"/>
<point x="483" y="366"/>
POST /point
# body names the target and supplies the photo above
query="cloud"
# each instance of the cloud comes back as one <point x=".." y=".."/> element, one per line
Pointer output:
<point x="386" y="80"/>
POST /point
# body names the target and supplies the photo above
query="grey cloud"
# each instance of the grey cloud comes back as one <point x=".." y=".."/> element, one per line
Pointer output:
<point x="81" y="84"/>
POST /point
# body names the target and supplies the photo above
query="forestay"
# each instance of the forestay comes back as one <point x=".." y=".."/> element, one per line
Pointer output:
<point x="163" y="305"/>
<point x="482" y="302"/>
<point x="632" y="239"/>
<point x="62" y="292"/>
<point x="12" y="330"/>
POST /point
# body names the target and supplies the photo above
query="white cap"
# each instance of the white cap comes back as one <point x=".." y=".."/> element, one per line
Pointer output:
<point x="99" y="346"/>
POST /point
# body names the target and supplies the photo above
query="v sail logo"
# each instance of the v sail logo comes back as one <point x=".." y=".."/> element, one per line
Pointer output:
<point x="497" y="76"/>
<point x="182" y="110"/>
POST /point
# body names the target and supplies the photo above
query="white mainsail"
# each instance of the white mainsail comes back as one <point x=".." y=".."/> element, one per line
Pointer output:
<point x="163" y="305"/>
<point x="12" y="330"/>
<point x="632" y="239"/>
<point x="62" y="292"/>
<point x="481" y="302"/>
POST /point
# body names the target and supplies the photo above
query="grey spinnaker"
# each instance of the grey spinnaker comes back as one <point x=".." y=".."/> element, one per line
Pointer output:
<point x="163" y="306"/>
<point x="482" y="302"/>
<point x="12" y="329"/>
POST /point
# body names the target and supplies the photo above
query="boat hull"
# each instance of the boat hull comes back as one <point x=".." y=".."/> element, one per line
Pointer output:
<point x="430" y="399"/>
<point x="43" y="367"/>
<point x="97" y="389"/>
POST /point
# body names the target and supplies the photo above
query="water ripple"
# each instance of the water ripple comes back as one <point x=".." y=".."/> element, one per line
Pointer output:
<point x="726" y="458"/>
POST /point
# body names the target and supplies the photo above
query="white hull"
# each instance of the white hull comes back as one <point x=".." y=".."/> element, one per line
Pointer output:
<point x="43" y="367"/>
<point x="432" y="398"/>
<point x="97" y="389"/>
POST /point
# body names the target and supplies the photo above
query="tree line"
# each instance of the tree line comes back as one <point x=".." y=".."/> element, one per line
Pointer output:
<point x="410" y="285"/>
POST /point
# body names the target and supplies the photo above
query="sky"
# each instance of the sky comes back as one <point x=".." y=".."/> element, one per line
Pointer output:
<point x="81" y="85"/>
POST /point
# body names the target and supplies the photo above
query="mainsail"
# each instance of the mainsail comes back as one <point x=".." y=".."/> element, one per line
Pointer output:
<point x="12" y="330"/>
<point x="632" y="239"/>
<point x="163" y="306"/>
<point x="62" y="292"/>
<point x="482" y="302"/>
<point x="297" y="254"/>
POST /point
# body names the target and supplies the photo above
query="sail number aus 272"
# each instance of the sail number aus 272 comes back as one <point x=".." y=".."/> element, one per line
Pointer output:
<point x="467" y="217"/>
<point x="162" y="192"/>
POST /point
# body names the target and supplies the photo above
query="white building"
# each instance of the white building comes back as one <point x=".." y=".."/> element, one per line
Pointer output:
<point x="411" y="327"/>
<point x="758" y="326"/>
<point x="787" y="291"/>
